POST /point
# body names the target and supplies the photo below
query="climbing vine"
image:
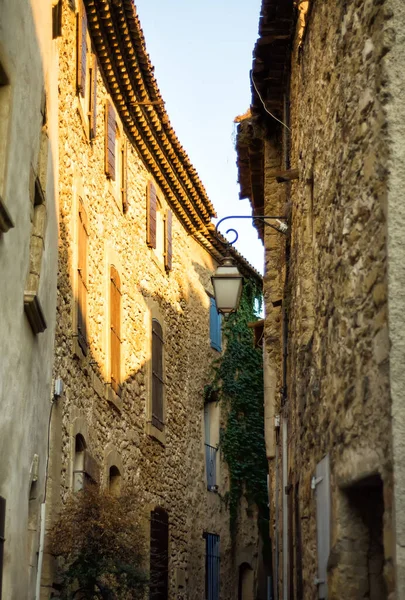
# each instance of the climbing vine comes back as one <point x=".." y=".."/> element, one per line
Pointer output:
<point x="238" y="382"/>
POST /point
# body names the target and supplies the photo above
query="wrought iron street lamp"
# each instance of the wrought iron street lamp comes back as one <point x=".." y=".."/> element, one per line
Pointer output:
<point x="227" y="281"/>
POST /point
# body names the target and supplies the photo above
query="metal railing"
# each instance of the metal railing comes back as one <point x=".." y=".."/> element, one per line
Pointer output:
<point x="211" y="467"/>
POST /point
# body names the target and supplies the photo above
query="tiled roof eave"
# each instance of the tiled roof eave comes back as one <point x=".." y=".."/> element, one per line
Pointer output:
<point x="121" y="53"/>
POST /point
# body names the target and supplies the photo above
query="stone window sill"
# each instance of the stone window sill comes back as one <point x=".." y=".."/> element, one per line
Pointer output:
<point x="113" y="398"/>
<point x="155" y="433"/>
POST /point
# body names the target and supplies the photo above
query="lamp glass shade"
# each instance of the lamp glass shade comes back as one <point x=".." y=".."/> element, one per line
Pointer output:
<point x="227" y="283"/>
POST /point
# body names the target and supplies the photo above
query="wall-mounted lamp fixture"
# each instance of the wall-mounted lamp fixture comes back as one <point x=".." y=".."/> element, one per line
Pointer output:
<point x="227" y="281"/>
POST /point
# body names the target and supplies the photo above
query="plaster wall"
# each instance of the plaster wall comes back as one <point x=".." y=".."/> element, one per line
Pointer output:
<point x="168" y="468"/>
<point x="28" y="57"/>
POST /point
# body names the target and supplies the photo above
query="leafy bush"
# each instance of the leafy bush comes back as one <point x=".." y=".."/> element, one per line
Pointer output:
<point x="100" y="543"/>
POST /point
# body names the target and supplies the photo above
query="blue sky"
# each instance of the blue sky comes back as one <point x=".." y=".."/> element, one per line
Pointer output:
<point x="202" y="54"/>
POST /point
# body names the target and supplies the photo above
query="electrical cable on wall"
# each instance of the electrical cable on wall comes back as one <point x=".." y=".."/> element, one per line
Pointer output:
<point x="264" y="106"/>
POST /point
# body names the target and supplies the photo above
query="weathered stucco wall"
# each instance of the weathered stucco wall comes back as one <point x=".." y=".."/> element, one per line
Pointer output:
<point x="28" y="58"/>
<point x="169" y="474"/>
<point x="338" y="399"/>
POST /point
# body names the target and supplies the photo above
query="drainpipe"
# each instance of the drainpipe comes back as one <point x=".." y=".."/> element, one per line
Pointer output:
<point x="276" y="561"/>
<point x="40" y="552"/>
<point x="287" y="166"/>
<point x="58" y="390"/>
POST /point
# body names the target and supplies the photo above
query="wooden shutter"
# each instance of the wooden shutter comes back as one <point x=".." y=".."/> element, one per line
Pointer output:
<point x="115" y="326"/>
<point x="321" y="483"/>
<point x="168" y="240"/>
<point x="215" y="326"/>
<point x="82" y="280"/>
<point x="93" y="98"/>
<point x="151" y="206"/>
<point x="159" y="554"/>
<point x="124" y="175"/>
<point x="57" y="20"/>
<point x="2" y="533"/>
<point x="157" y="375"/>
<point x="110" y="135"/>
<point x="81" y="49"/>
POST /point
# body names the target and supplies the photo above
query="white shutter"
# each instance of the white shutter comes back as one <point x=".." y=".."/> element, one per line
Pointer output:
<point x="321" y="483"/>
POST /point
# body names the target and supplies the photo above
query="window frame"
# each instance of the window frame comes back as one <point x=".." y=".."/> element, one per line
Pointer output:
<point x="115" y="328"/>
<point x="87" y="104"/>
<point x="152" y="313"/>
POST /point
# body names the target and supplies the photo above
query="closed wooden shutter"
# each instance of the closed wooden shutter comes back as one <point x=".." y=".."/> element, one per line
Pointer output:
<point x="57" y="20"/>
<point x="157" y="375"/>
<point x="81" y="49"/>
<point x="215" y="326"/>
<point x="151" y="205"/>
<point x="93" y="99"/>
<point x="2" y="533"/>
<point x="82" y="280"/>
<point x="115" y="326"/>
<point x="168" y="240"/>
<point x="110" y="135"/>
<point x="124" y="175"/>
<point x="159" y="554"/>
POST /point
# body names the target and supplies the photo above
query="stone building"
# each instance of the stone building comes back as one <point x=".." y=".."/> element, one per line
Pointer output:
<point x="323" y="149"/>
<point x="28" y="272"/>
<point x="137" y="330"/>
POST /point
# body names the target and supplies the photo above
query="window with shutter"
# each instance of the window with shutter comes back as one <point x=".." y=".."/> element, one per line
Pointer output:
<point x="159" y="554"/>
<point x="93" y="97"/>
<point x="321" y="483"/>
<point x="82" y="279"/>
<point x="168" y="240"/>
<point x="115" y="327"/>
<point x="81" y="49"/>
<point x="2" y="538"/>
<point x="151" y="206"/>
<point x="215" y="326"/>
<point x="110" y="138"/>
<point x="124" y="175"/>
<point x="157" y="376"/>
<point x="57" y="20"/>
<point x="212" y="566"/>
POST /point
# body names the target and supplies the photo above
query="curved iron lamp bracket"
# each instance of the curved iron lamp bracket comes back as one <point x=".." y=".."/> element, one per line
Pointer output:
<point x="282" y="226"/>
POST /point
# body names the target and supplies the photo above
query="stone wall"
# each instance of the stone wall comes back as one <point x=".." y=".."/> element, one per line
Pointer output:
<point x="28" y="171"/>
<point x="169" y="471"/>
<point x="338" y="400"/>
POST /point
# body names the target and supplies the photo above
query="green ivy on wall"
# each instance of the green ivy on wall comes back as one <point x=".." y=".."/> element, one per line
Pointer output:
<point x="238" y="382"/>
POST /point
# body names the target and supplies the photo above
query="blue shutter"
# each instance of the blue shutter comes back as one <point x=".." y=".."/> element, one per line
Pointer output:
<point x="212" y="566"/>
<point x="215" y="326"/>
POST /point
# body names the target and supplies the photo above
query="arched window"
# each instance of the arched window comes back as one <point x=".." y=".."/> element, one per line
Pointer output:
<point x="78" y="463"/>
<point x="114" y="483"/>
<point x="159" y="554"/>
<point x="115" y="328"/>
<point x="157" y="376"/>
